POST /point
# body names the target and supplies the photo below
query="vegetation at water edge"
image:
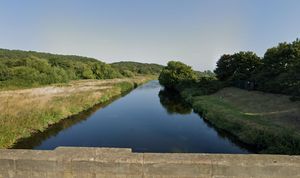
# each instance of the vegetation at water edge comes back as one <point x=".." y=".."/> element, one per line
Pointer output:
<point x="24" y="112"/>
<point x="269" y="127"/>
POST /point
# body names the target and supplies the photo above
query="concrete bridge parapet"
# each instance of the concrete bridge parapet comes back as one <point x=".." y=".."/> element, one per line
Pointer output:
<point x="120" y="162"/>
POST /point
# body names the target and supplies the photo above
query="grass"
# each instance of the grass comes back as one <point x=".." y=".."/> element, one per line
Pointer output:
<point x="268" y="122"/>
<point x="23" y="112"/>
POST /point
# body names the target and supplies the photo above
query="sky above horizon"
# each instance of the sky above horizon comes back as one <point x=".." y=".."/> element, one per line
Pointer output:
<point x="196" y="32"/>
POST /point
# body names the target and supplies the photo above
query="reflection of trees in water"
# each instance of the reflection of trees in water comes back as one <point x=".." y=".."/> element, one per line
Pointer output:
<point x="37" y="138"/>
<point x="150" y="85"/>
<point x="173" y="103"/>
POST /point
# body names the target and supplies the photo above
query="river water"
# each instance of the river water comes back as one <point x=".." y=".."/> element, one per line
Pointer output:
<point x="148" y="119"/>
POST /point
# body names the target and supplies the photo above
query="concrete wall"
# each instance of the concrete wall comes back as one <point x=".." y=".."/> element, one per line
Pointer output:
<point x="105" y="162"/>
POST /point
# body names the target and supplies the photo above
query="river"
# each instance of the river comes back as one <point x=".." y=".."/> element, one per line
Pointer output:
<point x="148" y="119"/>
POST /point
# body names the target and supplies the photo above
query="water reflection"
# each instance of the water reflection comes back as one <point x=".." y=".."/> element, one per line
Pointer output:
<point x="149" y="119"/>
<point x="173" y="103"/>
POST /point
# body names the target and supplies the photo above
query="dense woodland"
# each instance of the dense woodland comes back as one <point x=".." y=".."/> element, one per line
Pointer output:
<point x="29" y="69"/>
<point x="278" y="71"/>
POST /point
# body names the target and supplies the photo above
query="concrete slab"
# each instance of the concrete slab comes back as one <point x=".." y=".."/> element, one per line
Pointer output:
<point x="117" y="162"/>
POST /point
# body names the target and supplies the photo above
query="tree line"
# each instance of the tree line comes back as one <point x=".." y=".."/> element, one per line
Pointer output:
<point x="278" y="71"/>
<point x="129" y="69"/>
<point x="28" y="68"/>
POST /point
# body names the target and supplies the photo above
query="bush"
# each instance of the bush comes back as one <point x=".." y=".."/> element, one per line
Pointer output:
<point x="127" y="73"/>
<point x="126" y="86"/>
<point x="3" y="72"/>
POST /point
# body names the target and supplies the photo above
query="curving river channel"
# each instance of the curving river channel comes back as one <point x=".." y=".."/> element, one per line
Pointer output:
<point x="148" y="119"/>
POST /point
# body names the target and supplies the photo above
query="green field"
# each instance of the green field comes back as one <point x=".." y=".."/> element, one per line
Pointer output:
<point x="268" y="122"/>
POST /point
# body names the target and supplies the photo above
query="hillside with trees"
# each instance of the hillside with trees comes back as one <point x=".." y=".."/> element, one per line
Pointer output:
<point x="28" y="68"/>
<point x="23" y="69"/>
<point x="128" y="68"/>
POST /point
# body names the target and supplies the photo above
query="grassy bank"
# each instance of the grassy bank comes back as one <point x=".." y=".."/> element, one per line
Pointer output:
<point x="23" y="112"/>
<point x="268" y="122"/>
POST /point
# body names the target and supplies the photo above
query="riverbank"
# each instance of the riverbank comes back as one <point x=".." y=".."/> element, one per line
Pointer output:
<point x="23" y="112"/>
<point x="268" y="122"/>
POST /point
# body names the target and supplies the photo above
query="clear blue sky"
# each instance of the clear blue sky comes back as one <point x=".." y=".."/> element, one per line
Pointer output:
<point x="196" y="32"/>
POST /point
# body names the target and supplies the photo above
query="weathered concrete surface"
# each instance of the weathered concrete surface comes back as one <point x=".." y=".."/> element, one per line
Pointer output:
<point x="115" y="162"/>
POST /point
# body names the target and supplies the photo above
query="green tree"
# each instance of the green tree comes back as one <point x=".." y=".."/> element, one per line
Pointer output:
<point x="294" y="77"/>
<point x="175" y="74"/>
<point x="87" y="73"/>
<point x="225" y="67"/>
<point x="237" y="67"/>
<point x="3" y="72"/>
<point x="279" y="72"/>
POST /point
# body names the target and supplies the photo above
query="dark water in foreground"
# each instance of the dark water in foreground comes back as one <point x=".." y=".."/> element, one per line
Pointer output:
<point x="148" y="119"/>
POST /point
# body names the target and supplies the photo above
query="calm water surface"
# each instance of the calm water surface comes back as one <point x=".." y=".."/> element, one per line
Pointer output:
<point x="148" y="119"/>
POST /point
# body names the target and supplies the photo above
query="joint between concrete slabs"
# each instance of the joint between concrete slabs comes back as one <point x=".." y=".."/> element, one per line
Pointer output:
<point x="143" y="171"/>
